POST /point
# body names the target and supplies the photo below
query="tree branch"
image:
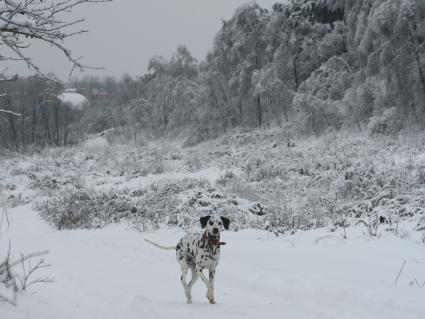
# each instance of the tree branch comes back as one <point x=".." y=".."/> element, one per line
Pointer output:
<point x="10" y="112"/>
<point x="24" y="21"/>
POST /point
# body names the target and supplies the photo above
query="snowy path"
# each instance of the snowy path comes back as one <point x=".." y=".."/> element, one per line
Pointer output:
<point x="113" y="273"/>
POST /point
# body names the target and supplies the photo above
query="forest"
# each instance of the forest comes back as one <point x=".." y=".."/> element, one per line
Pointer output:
<point x="313" y="66"/>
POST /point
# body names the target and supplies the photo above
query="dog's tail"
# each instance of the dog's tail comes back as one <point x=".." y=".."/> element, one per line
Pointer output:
<point x="159" y="246"/>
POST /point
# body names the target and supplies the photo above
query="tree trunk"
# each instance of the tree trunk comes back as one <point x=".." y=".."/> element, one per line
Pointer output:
<point x="285" y="112"/>
<point x="47" y="135"/>
<point x="12" y="124"/>
<point x="417" y="59"/>
<point x="165" y="114"/>
<point x="297" y="83"/>
<point x="240" y="106"/>
<point x="220" y="110"/>
<point x="34" y="121"/>
<point x="259" y="112"/>
<point x="65" y="125"/>
<point x="23" y="125"/>
<point x="56" y="112"/>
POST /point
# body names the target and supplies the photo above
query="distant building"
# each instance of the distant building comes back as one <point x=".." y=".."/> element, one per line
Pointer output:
<point x="99" y="96"/>
<point x="73" y="99"/>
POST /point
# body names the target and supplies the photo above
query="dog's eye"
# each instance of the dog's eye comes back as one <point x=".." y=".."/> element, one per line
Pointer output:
<point x="211" y="223"/>
<point x="220" y="223"/>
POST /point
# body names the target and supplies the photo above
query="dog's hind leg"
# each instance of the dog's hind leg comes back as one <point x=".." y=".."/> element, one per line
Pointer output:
<point x="184" y="266"/>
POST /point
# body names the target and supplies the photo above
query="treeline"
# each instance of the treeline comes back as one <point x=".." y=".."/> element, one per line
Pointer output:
<point x="321" y="64"/>
<point x="39" y="118"/>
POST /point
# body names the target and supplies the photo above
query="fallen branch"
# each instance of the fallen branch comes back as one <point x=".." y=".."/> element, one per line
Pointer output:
<point x="338" y="240"/>
<point x="362" y="222"/>
<point x="417" y="283"/>
<point x="399" y="273"/>
<point x="372" y="226"/>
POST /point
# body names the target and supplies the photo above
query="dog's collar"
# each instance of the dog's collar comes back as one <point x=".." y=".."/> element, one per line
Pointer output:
<point x="213" y="242"/>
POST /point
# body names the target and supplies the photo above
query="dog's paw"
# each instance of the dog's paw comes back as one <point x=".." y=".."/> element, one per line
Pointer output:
<point x="210" y="296"/>
<point x="189" y="302"/>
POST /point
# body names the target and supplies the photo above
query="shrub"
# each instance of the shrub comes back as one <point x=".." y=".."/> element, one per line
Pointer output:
<point x="193" y="162"/>
<point x="258" y="169"/>
<point x="318" y="115"/>
<point x="389" y="123"/>
<point x="85" y="209"/>
<point x="224" y="179"/>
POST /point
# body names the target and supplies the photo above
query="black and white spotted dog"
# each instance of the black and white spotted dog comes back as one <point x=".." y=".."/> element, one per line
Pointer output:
<point x="200" y="251"/>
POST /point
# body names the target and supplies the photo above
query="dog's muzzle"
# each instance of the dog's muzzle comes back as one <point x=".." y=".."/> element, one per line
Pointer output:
<point x="213" y="237"/>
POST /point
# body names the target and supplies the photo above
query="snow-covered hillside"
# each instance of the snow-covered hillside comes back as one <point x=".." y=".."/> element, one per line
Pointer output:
<point x="320" y="226"/>
<point x="113" y="273"/>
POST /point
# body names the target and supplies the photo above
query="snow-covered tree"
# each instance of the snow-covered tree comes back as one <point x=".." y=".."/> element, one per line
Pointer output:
<point x="272" y="93"/>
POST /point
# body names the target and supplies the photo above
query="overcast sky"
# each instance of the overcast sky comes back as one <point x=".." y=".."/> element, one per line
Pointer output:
<point x="125" y="34"/>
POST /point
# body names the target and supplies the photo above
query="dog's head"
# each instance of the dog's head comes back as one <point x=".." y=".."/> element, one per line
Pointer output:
<point x="214" y="225"/>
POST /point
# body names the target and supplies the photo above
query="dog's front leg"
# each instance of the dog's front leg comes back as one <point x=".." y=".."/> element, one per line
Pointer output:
<point x="207" y="283"/>
<point x="210" y="294"/>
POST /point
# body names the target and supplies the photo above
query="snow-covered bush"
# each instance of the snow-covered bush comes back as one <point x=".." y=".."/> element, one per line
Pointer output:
<point x="182" y="202"/>
<point x="258" y="169"/>
<point x="389" y="123"/>
<point x="224" y="179"/>
<point x="317" y="115"/>
<point x="167" y="201"/>
<point x="85" y="209"/>
<point x="49" y="183"/>
<point x="193" y="162"/>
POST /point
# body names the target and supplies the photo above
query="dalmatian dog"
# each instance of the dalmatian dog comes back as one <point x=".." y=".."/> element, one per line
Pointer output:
<point x="200" y="251"/>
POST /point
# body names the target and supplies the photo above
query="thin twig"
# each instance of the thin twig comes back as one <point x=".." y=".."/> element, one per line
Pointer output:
<point x="30" y="256"/>
<point x="26" y="280"/>
<point x="4" y="216"/>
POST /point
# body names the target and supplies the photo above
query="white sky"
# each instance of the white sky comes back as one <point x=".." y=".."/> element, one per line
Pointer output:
<point x="125" y="34"/>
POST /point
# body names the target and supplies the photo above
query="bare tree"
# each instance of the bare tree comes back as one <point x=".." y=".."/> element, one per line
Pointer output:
<point x="23" y="22"/>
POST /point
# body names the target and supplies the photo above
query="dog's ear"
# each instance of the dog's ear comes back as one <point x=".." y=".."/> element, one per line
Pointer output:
<point x="204" y="220"/>
<point x="226" y="222"/>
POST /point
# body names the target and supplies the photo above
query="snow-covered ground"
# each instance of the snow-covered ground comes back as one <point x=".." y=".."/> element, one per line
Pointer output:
<point x="113" y="273"/>
<point x="317" y="184"/>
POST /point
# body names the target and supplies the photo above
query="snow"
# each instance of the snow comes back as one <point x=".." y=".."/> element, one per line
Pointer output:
<point x="96" y="144"/>
<point x="112" y="272"/>
<point x="75" y="100"/>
